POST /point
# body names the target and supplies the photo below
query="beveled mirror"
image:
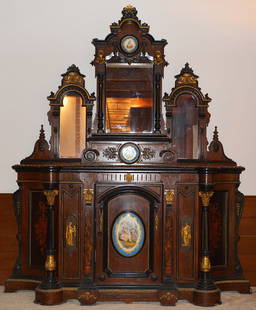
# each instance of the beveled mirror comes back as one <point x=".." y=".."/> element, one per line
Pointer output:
<point x="129" y="98"/>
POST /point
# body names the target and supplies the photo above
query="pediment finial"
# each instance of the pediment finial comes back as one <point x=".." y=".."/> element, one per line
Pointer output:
<point x="42" y="135"/>
<point x="215" y="135"/>
<point x="129" y="12"/>
<point x="129" y="7"/>
<point x="41" y="149"/>
<point x="187" y="69"/>
<point x="73" y="68"/>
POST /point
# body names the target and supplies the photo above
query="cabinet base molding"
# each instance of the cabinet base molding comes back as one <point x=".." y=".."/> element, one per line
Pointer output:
<point x="206" y="298"/>
<point x="49" y="297"/>
<point x="163" y="296"/>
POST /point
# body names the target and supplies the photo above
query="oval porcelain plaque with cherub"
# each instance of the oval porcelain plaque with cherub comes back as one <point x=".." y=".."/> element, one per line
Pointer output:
<point x="128" y="234"/>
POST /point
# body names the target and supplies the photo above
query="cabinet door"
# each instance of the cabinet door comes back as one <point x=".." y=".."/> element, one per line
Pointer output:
<point x="128" y="240"/>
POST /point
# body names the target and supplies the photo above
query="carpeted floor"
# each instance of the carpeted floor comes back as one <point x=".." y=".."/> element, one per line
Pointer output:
<point x="23" y="300"/>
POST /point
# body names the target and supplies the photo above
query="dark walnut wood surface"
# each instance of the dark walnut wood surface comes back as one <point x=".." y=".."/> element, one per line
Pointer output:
<point x="148" y="211"/>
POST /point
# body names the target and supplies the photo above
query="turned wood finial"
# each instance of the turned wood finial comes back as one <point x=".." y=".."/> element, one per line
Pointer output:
<point x="42" y="135"/>
<point x="215" y="135"/>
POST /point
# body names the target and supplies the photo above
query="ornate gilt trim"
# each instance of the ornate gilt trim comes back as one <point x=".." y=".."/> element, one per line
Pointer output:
<point x="187" y="78"/>
<point x="100" y="220"/>
<point x="156" y="222"/>
<point x="129" y="177"/>
<point x="100" y="58"/>
<point x="169" y="196"/>
<point x="50" y="196"/>
<point x="70" y="235"/>
<point x="129" y="7"/>
<point x="205" y="264"/>
<point x="73" y="78"/>
<point x="88" y="195"/>
<point x="186" y="235"/>
<point x="50" y="263"/>
<point x="158" y="58"/>
<point x="206" y="196"/>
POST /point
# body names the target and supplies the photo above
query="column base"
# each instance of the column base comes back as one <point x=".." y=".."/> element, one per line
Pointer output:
<point x="206" y="298"/>
<point x="49" y="296"/>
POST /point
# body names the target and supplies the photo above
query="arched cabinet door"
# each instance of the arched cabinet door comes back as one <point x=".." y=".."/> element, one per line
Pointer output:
<point x="127" y="239"/>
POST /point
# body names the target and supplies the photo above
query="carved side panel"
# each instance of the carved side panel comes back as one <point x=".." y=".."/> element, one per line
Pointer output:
<point x="38" y="220"/>
<point x="186" y="204"/>
<point x="218" y="225"/>
<point x="70" y="236"/>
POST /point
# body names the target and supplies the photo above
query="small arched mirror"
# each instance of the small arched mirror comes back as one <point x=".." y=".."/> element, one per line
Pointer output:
<point x="72" y="126"/>
<point x="185" y="126"/>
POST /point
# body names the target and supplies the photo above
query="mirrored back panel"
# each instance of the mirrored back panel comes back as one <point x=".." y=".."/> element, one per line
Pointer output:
<point x="129" y="98"/>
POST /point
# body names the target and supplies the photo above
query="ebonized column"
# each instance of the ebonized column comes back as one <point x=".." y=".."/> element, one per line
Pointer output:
<point x="50" y="281"/>
<point x="206" y="292"/>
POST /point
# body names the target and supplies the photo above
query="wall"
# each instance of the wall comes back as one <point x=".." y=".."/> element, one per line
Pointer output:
<point x="40" y="39"/>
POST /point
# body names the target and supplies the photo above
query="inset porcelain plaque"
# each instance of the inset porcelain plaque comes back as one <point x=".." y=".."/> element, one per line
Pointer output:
<point x="129" y="153"/>
<point x="128" y="234"/>
<point x="129" y="44"/>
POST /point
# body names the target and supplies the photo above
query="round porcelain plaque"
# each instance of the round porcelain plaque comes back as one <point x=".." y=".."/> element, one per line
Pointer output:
<point x="129" y="153"/>
<point x="128" y="234"/>
<point x="129" y="44"/>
